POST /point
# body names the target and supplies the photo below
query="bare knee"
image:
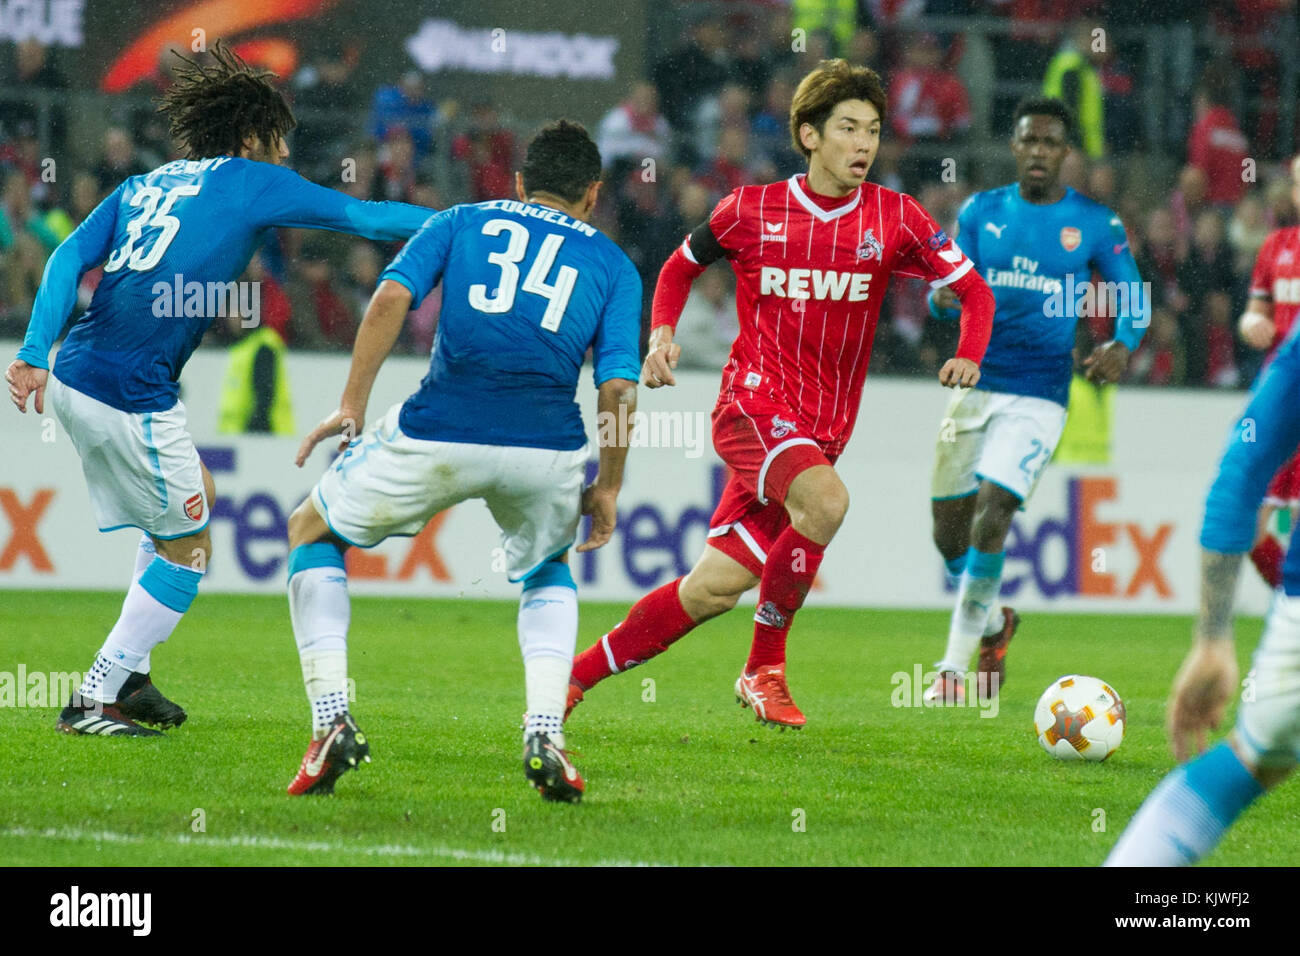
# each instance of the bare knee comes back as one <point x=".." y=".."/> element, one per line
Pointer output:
<point x="193" y="550"/>
<point x="817" y="503"/>
<point x="306" y="525"/>
<point x="714" y="585"/>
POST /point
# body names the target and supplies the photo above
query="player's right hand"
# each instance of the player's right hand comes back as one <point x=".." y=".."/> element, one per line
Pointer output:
<point x="342" y="421"/>
<point x="946" y="299"/>
<point x="959" y="373"/>
<point x="661" y="359"/>
<point x="24" y="380"/>
<point x="1204" y="685"/>
<point x="602" y="505"/>
<point x="1256" y="330"/>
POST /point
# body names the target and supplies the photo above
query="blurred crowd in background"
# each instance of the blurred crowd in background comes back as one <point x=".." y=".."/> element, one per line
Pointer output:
<point x="1198" y="189"/>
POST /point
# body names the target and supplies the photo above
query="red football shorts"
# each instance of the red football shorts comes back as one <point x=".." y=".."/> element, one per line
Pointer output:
<point x="766" y="448"/>
<point x="1284" y="489"/>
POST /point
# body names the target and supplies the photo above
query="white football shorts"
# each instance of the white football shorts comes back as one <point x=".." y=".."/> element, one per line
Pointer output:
<point x="388" y="483"/>
<point x="141" y="467"/>
<point x="1268" y="723"/>
<point x="995" y="436"/>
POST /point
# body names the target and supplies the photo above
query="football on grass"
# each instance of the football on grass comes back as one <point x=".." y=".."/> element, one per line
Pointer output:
<point x="1080" y="718"/>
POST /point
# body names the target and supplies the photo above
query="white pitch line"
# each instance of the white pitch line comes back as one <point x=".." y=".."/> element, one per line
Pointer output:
<point x="316" y="846"/>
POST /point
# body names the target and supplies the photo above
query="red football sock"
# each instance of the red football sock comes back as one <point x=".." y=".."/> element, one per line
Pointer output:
<point x="787" y="575"/>
<point x="1267" y="557"/>
<point x="653" y="624"/>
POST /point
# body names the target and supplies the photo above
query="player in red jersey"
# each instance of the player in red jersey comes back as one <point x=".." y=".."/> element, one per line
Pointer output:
<point x="812" y="257"/>
<point x="1269" y="317"/>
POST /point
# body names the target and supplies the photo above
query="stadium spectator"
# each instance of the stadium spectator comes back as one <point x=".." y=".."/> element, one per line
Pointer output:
<point x="325" y="95"/>
<point x="1216" y="144"/>
<point x="731" y="166"/>
<point x="729" y="109"/>
<point x="359" y="175"/>
<point x="1205" y="276"/>
<point x="708" y="324"/>
<point x="33" y="69"/>
<point x="19" y="215"/>
<point x="1187" y="202"/>
<point x="634" y="130"/>
<point x="314" y="293"/>
<point x="926" y="102"/>
<point x="119" y="160"/>
<point x="1158" y="260"/>
<point x="397" y="165"/>
<point x="692" y="72"/>
<point x="408" y="105"/>
<point x="488" y="150"/>
<point x="82" y="199"/>
<point x="750" y="65"/>
<point x="255" y="397"/>
<point x="1247" y="231"/>
<point x="769" y="132"/>
<point x="836" y="19"/>
<point x="1072" y="76"/>
<point x="1159" y="359"/>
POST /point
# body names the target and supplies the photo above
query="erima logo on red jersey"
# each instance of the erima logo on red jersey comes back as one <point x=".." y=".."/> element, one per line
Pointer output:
<point x="814" y="284"/>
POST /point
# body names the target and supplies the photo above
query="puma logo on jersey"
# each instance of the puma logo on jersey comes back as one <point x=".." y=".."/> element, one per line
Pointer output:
<point x="814" y="284"/>
<point x="996" y="230"/>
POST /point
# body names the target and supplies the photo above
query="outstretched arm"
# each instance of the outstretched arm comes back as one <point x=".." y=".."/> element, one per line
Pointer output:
<point x="379" y="330"/>
<point x="615" y="406"/>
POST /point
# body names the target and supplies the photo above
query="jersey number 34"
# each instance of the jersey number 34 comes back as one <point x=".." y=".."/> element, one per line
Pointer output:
<point x="503" y="298"/>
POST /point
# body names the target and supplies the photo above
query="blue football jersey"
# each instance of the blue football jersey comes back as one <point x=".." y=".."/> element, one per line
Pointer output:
<point x="1038" y="260"/>
<point x="526" y="291"/>
<point x="187" y="222"/>
<point x="1264" y="437"/>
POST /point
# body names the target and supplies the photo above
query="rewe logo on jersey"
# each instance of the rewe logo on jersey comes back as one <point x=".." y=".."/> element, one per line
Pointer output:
<point x="814" y="284"/>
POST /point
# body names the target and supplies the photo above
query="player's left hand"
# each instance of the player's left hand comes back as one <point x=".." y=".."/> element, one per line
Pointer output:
<point x="25" y="380"/>
<point x="342" y="421"/>
<point x="959" y="373"/>
<point x="1204" y="685"/>
<point x="602" y="505"/>
<point x="1107" y="362"/>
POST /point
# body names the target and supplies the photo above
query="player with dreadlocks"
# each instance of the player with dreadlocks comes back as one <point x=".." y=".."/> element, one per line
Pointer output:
<point x="115" y="385"/>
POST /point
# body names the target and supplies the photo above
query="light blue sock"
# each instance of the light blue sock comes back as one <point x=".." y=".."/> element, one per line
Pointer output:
<point x="977" y="596"/>
<point x="1188" y="813"/>
<point x="955" y="567"/>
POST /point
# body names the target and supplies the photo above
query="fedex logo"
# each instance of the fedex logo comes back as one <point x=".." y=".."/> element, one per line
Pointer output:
<point x="1089" y="545"/>
<point x="814" y="284"/>
<point x="261" y="530"/>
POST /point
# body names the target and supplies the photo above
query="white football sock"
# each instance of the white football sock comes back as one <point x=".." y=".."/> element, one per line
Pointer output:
<point x="548" y="633"/>
<point x="976" y="599"/>
<point x="144" y="623"/>
<point x="321" y="611"/>
<point x="144" y="555"/>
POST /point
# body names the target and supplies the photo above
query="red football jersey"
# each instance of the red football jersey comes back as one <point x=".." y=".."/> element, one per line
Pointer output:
<point x="811" y="274"/>
<point x="1277" y="278"/>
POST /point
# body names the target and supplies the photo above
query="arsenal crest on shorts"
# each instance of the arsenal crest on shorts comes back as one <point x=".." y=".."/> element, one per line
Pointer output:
<point x="1070" y="238"/>
<point x="870" y="247"/>
<point x="194" y="507"/>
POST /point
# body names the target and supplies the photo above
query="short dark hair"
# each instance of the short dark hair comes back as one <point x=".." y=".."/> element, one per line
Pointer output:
<point x="1044" y="106"/>
<point x="213" y="108"/>
<point x="831" y="83"/>
<point x="561" y="160"/>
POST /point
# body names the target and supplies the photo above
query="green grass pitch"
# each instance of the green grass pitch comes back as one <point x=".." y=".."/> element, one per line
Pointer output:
<point x="676" y="772"/>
